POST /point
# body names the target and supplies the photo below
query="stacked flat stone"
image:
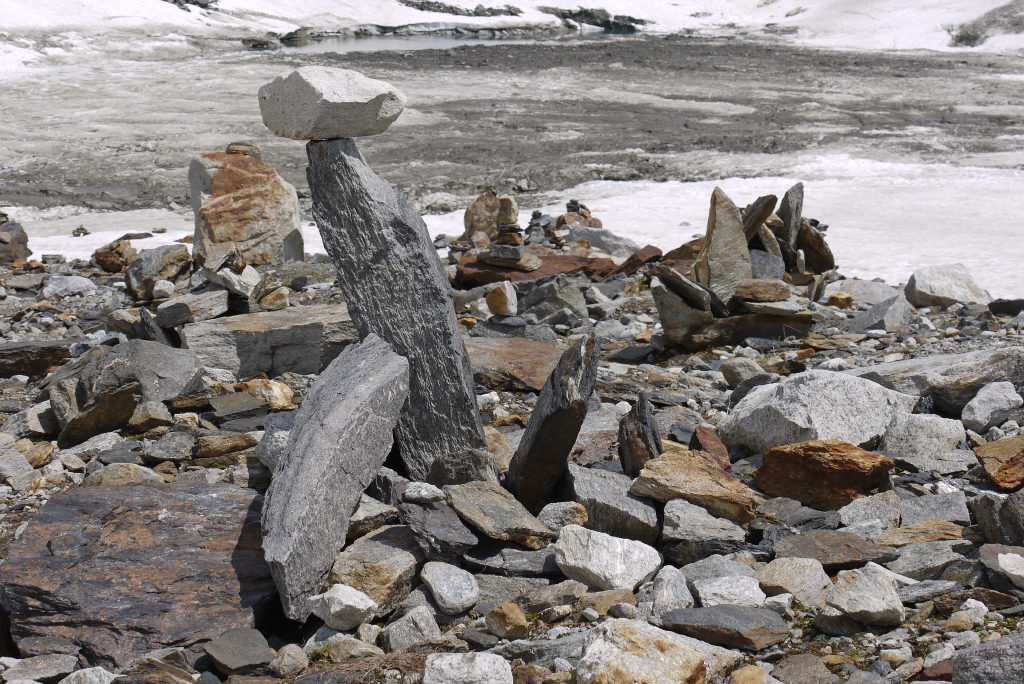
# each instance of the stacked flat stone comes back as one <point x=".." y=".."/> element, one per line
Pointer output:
<point x="507" y="247"/>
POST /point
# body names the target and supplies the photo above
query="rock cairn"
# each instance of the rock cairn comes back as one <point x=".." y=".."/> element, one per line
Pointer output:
<point x="380" y="467"/>
<point x="506" y="249"/>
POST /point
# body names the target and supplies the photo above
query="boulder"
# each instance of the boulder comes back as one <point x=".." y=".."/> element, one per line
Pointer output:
<point x="543" y="452"/>
<point x="804" y="578"/>
<point x="291" y="661"/>
<point x="732" y="591"/>
<point x="415" y="627"/>
<point x="866" y="291"/>
<point x="244" y="208"/>
<point x="395" y="286"/>
<point x="511" y="364"/>
<point x="700" y="479"/>
<point x="817" y="254"/>
<point x="507" y="621"/>
<point x="867" y="595"/>
<point x="690" y="533"/>
<point x="646" y="653"/>
<point x="610" y="507"/>
<point x="497" y="514"/>
<point x="789" y="212"/>
<point x="454" y="590"/>
<point x="114" y="256"/>
<point x="750" y="629"/>
<point x="991" y="406"/>
<point x="482" y="215"/>
<point x="602" y="561"/>
<point x="192" y="308"/>
<point x="85" y="566"/>
<point x="724" y="260"/>
<point x="555" y="515"/>
<point x="381" y="564"/>
<point x="241" y="651"/>
<point x="763" y="290"/>
<point x="927" y="531"/>
<point x="815" y="405"/>
<point x="927" y="560"/>
<point x="994" y="662"/>
<point x="438" y="529"/>
<point x="341" y="436"/>
<point x="324" y="103"/>
<point x="466" y="668"/>
<point x="1003" y="460"/>
<point x="302" y="339"/>
<point x="60" y="286"/>
<point x="834" y="549"/>
<point x="603" y="239"/>
<point x="169" y="262"/>
<point x="951" y="380"/>
<point x="13" y="241"/>
<point x="502" y="300"/>
<point x="892" y="314"/>
<point x="825" y="475"/>
<point x="922" y="435"/>
<point x="670" y="591"/>
<point x="548" y="302"/>
<point x="943" y="286"/>
<point x="884" y="507"/>
<point x="46" y="669"/>
<point x="343" y="608"/>
<point x="951" y="507"/>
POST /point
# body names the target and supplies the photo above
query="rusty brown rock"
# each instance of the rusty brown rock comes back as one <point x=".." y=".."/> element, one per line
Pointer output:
<point x="825" y="475"/>
<point x="638" y="437"/>
<point x="637" y="259"/>
<point x="817" y="254"/>
<point x="834" y="549"/>
<point x="242" y="205"/>
<point x="127" y="570"/>
<point x="218" y="445"/>
<point x="930" y="530"/>
<point x="698" y="478"/>
<point x="705" y="438"/>
<point x="512" y="364"/>
<point x="756" y="214"/>
<point x="1003" y="460"/>
<point x="573" y="218"/>
<point x="688" y="251"/>
<point x="482" y="215"/>
<point x="114" y="256"/>
<point x="33" y="358"/>
<point x="763" y="290"/>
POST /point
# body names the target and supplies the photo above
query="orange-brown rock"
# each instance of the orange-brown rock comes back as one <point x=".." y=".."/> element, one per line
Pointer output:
<point x="242" y="205"/>
<point x="817" y="253"/>
<point x="930" y="530"/>
<point x="688" y="251"/>
<point x="1003" y="460"/>
<point x="763" y="290"/>
<point x="482" y="215"/>
<point x="637" y="259"/>
<point x="705" y="438"/>
<point x="841" y="300"/>
<point x="700" y="479"/>
<point x="114" y="256"/>
<point x="578" y="219"/>
<point x="472" y="272"/>
<point x="825" y="475"/>
<point x="513" y="364"/>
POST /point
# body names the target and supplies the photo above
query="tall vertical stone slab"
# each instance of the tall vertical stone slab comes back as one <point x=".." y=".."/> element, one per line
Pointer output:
<point x="395" y="286"/>
<point x="639" y="441"/>
<point x="543" y="454"/>
<point x="724" y="260"/>
<point x="341" y="436"/>
<point x="789" y="211"/>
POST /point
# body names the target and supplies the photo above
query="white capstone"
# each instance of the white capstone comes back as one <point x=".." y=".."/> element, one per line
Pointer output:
<point x="323" y="103"/>
<point x="342" y="607"/>
<point x="602" y="561"/>
<point x="867" y="595"/>
<point x="729" y="591"/>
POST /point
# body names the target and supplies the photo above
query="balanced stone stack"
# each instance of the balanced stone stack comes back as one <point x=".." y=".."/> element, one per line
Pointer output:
<point x="507" y="248"/>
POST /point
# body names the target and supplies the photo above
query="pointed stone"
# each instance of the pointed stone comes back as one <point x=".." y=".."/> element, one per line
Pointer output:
<point x="543" y="454"/>
<point x="395" y="286"/>
<point x="789" y="211"/>
<point x="639" y="441"/>
<point x="724" y="260"/>
<point x="342" y="434"/>
<point x="755" y="216"/>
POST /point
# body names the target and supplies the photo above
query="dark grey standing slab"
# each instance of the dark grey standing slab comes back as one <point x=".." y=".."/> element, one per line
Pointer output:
<point x="543" y="454"/>
<point x="638" y="437"/>
<point x="395" y="286"/>
<point x="341" y="436"/>
<point x="789" y="211"/>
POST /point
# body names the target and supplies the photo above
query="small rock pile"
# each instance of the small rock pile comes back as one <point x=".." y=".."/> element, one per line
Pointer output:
<point x="528" y="477"/>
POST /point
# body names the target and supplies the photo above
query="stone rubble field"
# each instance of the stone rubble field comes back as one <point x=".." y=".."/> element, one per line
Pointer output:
<point x="551" y="455"/>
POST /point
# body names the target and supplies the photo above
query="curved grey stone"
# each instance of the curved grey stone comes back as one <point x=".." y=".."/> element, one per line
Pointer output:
<point x="944" y="286"/>
<point x="395" y="287"/>
<point x="341" y="436"/>
<point x="991" y="406"/>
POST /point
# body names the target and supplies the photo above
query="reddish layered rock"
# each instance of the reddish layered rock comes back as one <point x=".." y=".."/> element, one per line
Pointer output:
<point x="471" y="272"/>
<point x="1003" y="460"/>
<point x="512" y="364"/>
<point x="126" y="570"/>
<point x="825" y="475"/>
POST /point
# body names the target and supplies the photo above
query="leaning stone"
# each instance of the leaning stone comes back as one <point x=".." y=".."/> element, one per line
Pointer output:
<point x="192" y="308"/>
<point x="835" y="550"/>
<point x="700" y="479"/>
<point x="815" y="405"/>
<point x="414" y="627"/>
<point x="648" y="654"/>
<point x="804" y="578"/>
<point x="789" y="212"/>
<point x="604" y="562"/>
<point x="192" y="540"/>
<point x="342" y="435"/>
<point x="242" y="651"/>
<point x="497" y="514"/>
<point x="610" y="507"/>
<point x="543" y="452"/>
<point x="466" y="668"/>
<point x="750" y="629"/>
<point x="892" y="314"/>
<point x="867" y="595"/>
<point x="395" y="287"/>
<point x="639" y="441"/>
<point x="992" y="405"/>
<point x="242" y="207"/>
<point x="951" y="380"/>
<point x="825" y="475"/>
<point x="382" y="565"/>
<point x="301" y="339"/>
<point x="324" y="103"/>
<point x="943" y="286"/>
<point x="724" y="259"/>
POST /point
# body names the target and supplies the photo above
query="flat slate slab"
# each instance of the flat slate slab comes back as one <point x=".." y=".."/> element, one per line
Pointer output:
<point x="123" y="571"/>
<point x="751" y="629"/>
<point x="835" y="550"/>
